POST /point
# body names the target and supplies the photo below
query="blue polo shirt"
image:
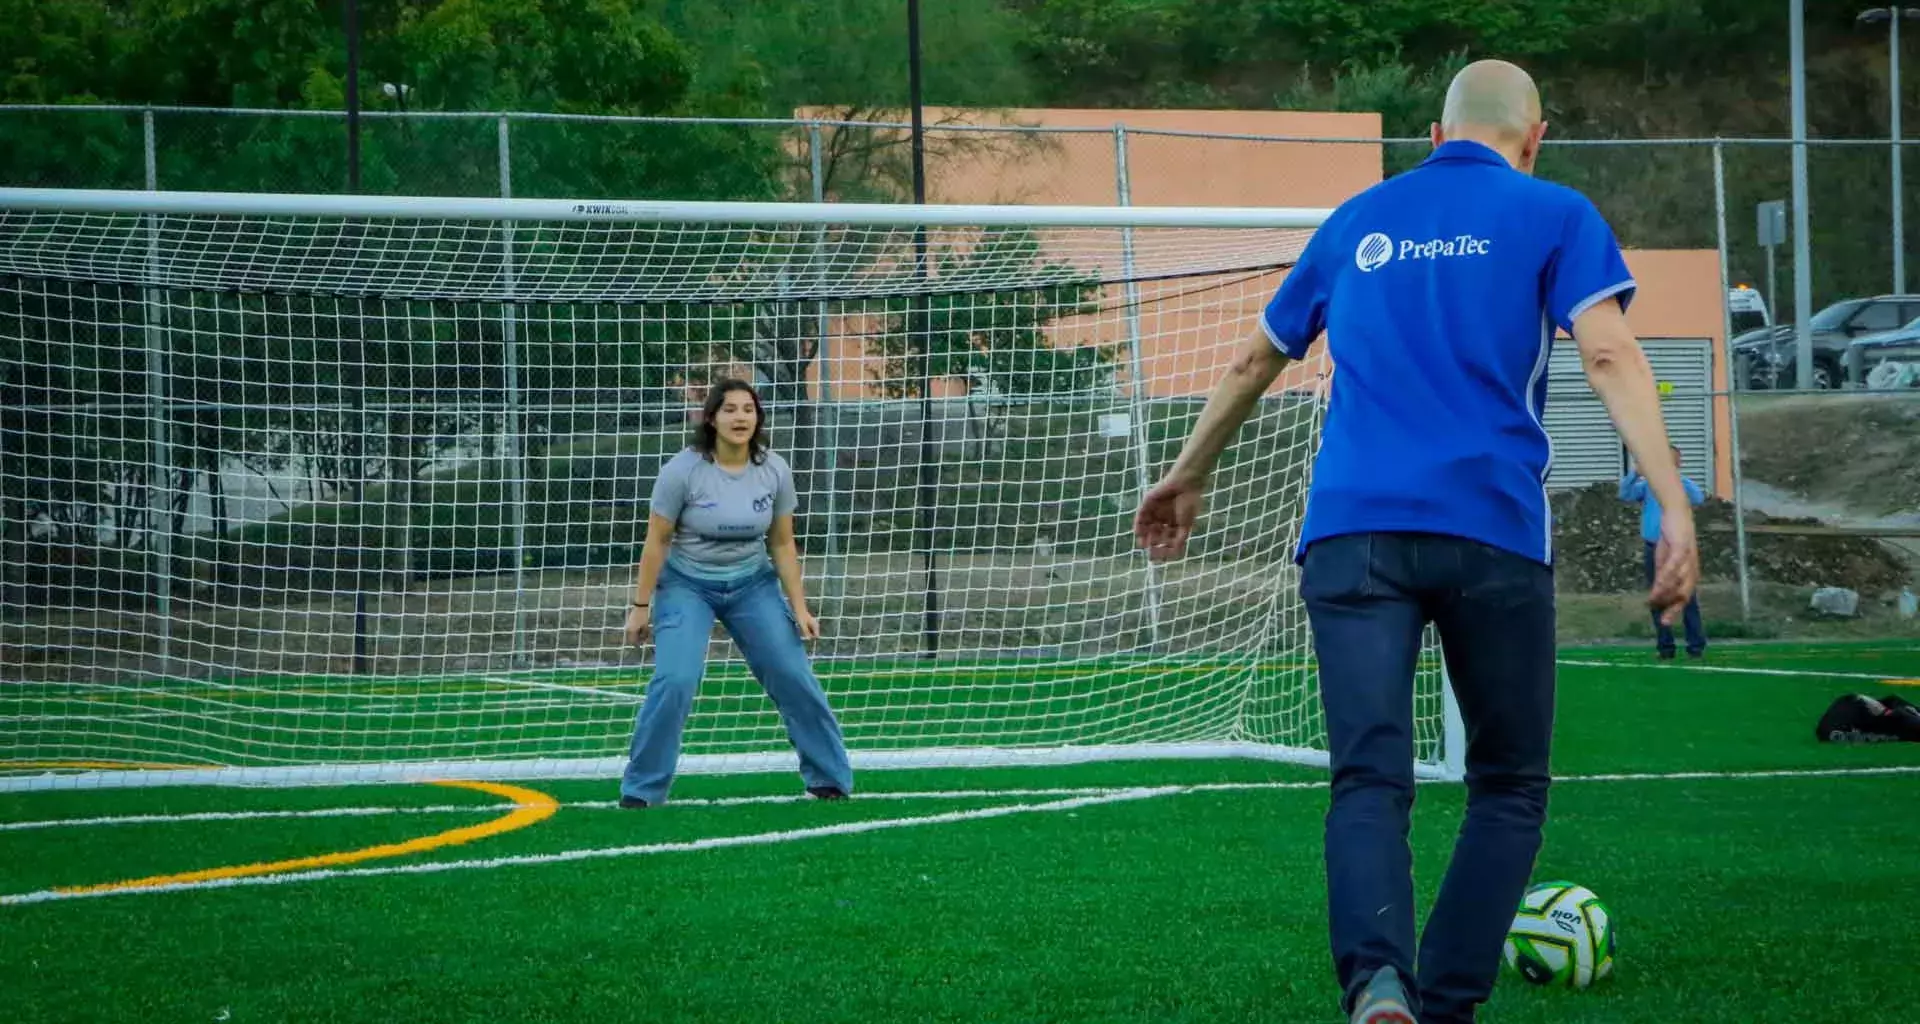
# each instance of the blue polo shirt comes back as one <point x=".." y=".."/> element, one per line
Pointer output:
<point x="1439" y="291"/>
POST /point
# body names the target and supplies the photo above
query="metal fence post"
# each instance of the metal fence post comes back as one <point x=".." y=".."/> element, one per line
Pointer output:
<point x="1136" y="398"/>
<point x="512" y="447"/>
<point x="1732" y="396"/>
<point x="159" y="489"/>
<point x="835" y="584"/>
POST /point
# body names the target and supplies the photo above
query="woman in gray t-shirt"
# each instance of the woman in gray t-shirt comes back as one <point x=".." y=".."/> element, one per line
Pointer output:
<point x="720" y="546"/>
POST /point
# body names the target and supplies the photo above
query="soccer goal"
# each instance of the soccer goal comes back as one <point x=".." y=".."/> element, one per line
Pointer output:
<point x="327" y="489"/>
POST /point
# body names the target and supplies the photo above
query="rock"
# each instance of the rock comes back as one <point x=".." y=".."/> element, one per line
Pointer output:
<point x="1836" y="601"/>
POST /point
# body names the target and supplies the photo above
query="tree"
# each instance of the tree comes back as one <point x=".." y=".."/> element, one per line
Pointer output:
<point x="853" y="53"/>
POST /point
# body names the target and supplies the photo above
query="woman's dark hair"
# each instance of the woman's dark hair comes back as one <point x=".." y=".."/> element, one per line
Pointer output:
<point x="706" y="438"/>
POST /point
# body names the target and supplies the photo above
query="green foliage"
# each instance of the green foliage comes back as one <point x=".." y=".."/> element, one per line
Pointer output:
<point x="578" y="56"/>
<point x="852" y="53"/>
<point x="604" y="56"/>
<point x="56" y="51"/>
<point x="1225" y="52"/>
<point x="1408" y="98"/>
<point x="243" y="53"/>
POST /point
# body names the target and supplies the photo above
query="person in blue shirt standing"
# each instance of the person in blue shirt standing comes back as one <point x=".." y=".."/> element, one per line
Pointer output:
<point x="1438" y="291"/>
<point x="1633" y="488"/>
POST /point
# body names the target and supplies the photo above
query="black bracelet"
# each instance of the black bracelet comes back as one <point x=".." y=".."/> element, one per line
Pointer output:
<point x="637" y="604"/>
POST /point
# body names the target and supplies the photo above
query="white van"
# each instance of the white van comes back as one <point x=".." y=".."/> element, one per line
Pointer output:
<point x="1748" y="309"/>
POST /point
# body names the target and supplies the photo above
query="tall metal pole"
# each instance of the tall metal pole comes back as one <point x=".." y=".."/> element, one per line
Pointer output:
<point x="919" y="140"/>
<point x="513" y="448"/>
<point x="1137" y="384"/>
<point x="925" y="506"/>
<point x="1802" y="246"/>
<point x="1899" y="199"/>
<point x="1725" y="356"/>
<point x="834" y="587"/>
<point x="160" y="487"/>
<point x="352" y="16"/>
<point x="358" y="433"/>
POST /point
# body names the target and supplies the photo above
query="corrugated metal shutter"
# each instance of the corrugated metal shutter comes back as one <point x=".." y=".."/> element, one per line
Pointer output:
<point x="1687" y="364"/>
<point x="1585" y="447"/>
<point x="1587" y="450"/>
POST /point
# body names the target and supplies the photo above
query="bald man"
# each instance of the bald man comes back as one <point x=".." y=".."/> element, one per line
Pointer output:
<point x="1438" y="292"/>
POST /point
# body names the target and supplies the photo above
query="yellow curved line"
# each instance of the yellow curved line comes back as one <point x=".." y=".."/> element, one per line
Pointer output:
<point x="534" y="807"/>
<point x="98" y="765"/>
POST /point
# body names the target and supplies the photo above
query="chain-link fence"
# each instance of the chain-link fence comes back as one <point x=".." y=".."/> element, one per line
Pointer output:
<point x="1658" y="194"/>
<point x="1820" y="466"/>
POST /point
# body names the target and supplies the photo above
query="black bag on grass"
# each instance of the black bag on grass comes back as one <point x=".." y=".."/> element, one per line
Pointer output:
<point x="1857" y="718"/>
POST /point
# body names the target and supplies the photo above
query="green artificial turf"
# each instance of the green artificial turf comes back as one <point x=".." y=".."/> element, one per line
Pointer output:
<point x="1737" y="897"/>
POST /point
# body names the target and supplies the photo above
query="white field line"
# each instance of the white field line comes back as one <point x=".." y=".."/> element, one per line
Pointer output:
<point x="606" y="693"/>
<point x="906" y="795"/>
<point x="714" y="843"/>
<point x="1796" y="673"/>
<point x="589" y="805"/>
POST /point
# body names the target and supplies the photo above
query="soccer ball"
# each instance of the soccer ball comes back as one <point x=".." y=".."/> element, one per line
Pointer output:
<point x="1562" y="935"/>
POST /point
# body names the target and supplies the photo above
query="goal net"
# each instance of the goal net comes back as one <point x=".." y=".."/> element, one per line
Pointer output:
<point x="300" y="488"/>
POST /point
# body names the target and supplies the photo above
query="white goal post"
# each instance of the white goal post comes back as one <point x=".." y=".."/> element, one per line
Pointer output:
<point x="322" y="489"/>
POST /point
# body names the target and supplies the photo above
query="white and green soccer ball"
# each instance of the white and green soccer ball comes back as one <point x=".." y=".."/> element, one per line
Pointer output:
<point x="1561" y="935"/>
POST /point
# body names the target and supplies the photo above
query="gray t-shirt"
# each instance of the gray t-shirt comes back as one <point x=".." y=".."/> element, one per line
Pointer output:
<point x="721" y="518"/>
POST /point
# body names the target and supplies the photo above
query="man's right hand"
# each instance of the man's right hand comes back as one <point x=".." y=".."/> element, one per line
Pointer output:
<point x="1676" y="565"/>
<point x="1166" y="517"/>
<point x="639" y="624"/>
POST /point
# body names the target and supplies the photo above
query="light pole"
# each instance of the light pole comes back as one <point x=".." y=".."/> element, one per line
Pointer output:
<point x="1892" y="17"/>
<point x="929" y="494"/>
<point x="1802" y="247"/>
<point x="350" y="14"/>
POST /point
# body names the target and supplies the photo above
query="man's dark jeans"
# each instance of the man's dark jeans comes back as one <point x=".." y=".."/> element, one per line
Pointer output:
<point x="1369" y="598"/>
<point x="1663" y="633"/>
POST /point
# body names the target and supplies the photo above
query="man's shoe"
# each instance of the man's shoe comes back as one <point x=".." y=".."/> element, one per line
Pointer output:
<point x="826" y="792"/>
<point x="1383" y="1001"/>
<point x="1666" y="655"/>
<point x="632" y="803"/>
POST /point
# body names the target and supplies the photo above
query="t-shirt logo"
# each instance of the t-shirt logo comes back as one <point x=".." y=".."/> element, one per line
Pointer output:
<point x="763" y="502"/>
<point x="1375" y="251"/>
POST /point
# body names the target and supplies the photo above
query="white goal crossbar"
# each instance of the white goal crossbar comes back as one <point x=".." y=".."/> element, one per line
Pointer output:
<point x="651" y="211"/>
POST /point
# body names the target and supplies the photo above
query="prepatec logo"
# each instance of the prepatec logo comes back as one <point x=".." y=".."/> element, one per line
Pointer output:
<point x="1375" y="251"/>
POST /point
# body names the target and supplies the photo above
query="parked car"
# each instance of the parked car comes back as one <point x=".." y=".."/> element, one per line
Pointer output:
<point x="1898" y="349"/>
<point x="1767" y="356"/>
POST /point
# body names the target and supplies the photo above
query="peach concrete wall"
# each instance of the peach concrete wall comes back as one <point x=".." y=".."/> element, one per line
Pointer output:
<point x="1188" y="327"/>
<point x="1079" y="168"/>
<point x="1164" y="170"/>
